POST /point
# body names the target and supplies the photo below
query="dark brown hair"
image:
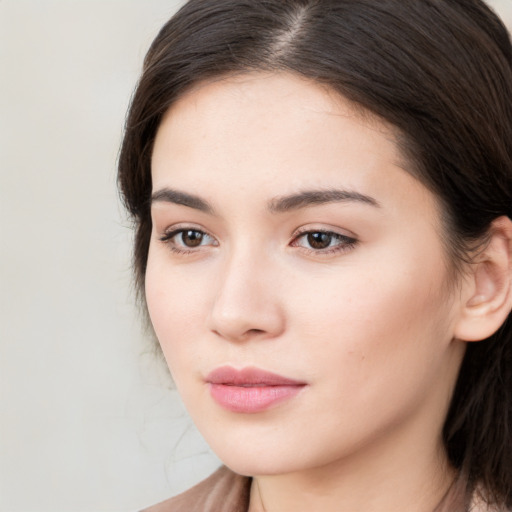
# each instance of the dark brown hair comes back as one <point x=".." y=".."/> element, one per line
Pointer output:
<point x="440" y="71"/>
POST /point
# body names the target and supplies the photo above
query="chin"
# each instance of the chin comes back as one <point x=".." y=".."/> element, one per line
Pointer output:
<point x="250" y="457"/>
<point x="259" y="466"/>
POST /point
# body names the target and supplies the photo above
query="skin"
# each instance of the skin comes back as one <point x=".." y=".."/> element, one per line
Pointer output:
<point x="369" y="326"/>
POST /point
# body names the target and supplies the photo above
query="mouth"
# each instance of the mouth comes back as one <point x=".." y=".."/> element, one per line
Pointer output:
<point x="250" y="390"/>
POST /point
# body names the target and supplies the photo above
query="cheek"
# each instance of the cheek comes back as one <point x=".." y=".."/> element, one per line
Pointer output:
<point x="177" y="307"/>
<point x="376" y="324"/>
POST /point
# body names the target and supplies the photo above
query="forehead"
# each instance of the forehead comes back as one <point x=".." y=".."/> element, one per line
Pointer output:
<point x="259" y="97"/>
<point x="270" y="121"/>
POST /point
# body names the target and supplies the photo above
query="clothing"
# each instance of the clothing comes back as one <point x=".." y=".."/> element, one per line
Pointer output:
<point x="225" y="491"/>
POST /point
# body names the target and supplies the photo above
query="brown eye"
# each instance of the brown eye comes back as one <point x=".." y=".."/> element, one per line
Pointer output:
<point x="191" y="238"/>
<point x="187" y="240"/>
<point x="324" y="242"/>
<point x="319" y="240"/>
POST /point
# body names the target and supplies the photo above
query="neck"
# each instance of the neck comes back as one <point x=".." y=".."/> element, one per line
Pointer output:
<point x="382" y="478"/>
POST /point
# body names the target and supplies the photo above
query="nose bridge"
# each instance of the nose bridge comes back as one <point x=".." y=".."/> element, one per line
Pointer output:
<point x="246" y="301"/>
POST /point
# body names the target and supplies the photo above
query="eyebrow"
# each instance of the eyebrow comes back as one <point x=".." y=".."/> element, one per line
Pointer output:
<point x="168" y="195"/>
<point x="282" y="204"/>
<point x="317" y="197"/>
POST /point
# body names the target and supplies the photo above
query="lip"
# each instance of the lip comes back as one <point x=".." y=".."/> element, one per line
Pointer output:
<point x="250" y="390"/>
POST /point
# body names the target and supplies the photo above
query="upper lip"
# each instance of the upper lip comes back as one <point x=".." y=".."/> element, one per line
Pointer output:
<point x="249" y="376"/>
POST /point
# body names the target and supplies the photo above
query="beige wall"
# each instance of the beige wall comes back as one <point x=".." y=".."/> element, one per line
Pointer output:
<point x="84" y="426"/>
<point x="86" y="420"/>
<point x="504" y="9"/>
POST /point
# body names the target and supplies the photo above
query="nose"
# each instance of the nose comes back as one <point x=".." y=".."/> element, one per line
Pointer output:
<point x="246" y="303"/>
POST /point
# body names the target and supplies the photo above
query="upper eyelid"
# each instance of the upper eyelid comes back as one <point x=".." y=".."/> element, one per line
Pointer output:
<point x="326" y="232"/>
<point x="184" y="226"/>
<point x="334" y="234"/>
<point x="330" y="230"/>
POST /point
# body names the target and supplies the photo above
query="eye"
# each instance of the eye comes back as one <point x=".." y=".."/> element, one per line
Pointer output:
<point x="190" y="238"/>
<point x="324" y="241"/>
<point x="184" y="240"/>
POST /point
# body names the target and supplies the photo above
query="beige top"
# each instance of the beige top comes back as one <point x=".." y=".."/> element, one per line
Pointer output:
<point x="225" y="491"/>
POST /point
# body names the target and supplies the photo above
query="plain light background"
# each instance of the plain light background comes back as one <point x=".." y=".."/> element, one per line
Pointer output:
<point x="88" y="420"/>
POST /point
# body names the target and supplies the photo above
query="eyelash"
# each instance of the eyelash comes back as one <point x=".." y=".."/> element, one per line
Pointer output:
<point x="168" y="237"/>
<point x="346" y="243"/>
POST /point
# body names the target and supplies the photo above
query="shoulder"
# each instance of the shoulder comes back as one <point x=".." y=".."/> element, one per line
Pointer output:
<point x="223" y="491"/>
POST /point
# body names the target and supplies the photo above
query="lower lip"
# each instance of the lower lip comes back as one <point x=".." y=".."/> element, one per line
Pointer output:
<point x="252" y="399"/>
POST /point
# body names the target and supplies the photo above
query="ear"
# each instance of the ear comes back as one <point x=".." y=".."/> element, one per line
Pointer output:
<point x="487" y="292"/>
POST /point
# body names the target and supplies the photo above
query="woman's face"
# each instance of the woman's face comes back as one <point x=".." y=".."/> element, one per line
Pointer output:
<point x="296" y="279"/>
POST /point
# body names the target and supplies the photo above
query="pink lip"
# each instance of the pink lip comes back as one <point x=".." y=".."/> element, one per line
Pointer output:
<point x="250" y="390"/>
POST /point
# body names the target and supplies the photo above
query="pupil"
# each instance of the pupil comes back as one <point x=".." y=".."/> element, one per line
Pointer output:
<point x="319" y="240"/>
<point x="192" y="238"/>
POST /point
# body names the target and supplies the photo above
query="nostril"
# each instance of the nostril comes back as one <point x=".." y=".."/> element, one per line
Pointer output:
<point x="255" y="331"/>
<point x="242" y="336"/>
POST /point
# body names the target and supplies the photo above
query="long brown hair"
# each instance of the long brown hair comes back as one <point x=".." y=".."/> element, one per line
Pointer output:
<point x="440" y="71"/>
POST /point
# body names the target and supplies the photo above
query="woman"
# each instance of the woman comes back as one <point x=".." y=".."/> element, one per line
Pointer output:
<point x="322" y="192"/>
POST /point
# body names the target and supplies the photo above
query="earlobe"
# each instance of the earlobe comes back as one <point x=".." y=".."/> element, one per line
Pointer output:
<point x="487" y="294"/>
